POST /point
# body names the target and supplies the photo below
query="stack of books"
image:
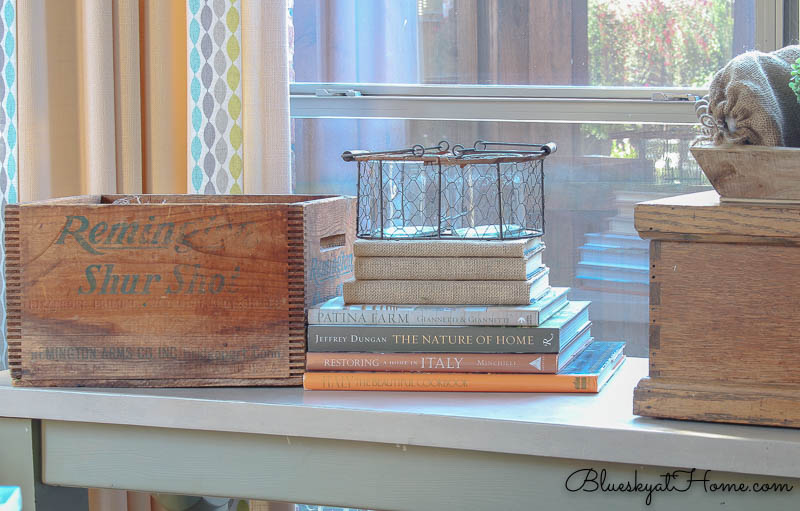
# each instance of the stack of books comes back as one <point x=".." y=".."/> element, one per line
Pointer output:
<point x="452" y="272"/>
<point x="485" y="319"/>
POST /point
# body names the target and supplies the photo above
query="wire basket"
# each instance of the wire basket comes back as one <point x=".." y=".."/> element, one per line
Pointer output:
<point x="491" y="191"/>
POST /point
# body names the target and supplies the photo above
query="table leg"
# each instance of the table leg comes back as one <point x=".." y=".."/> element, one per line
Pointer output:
<point x="20" y="465"/>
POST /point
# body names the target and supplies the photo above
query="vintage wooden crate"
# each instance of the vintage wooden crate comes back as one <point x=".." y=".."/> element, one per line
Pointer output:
<point x="724" y="328"/>
<point x="170" y="290"/>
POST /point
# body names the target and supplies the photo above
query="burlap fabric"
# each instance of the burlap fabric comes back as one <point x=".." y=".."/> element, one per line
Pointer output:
<point x="441" y="268"/>
<point x="444" y="248"/>
<point x="445" y="292"/>
<point x="751" y="102"/>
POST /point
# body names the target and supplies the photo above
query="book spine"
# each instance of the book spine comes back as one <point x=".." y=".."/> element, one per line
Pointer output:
<point x="420" y="315"/>
<point x="441" y="317"/>
<point x="432" y="339"/>
<point x="458" y="382"/>
<point x="574" y="349"/>
<point x="434" y="363"/>
<point x="444" y="268"/>
<point x="551" y="309"/>
<point x="605" y="376"/>
<point x="445" y="292"/>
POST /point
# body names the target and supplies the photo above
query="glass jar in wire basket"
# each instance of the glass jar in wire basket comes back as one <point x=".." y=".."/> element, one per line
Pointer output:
<point x="491" y="191"/>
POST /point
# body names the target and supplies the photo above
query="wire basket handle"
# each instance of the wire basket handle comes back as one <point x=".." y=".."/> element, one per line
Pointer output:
<point x="416" y="150"/>
<point x="482" y="147"/>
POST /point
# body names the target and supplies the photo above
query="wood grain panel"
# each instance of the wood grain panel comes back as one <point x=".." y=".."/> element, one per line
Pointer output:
<point x="165" y="291"/>
<point x="701" y="217"/>
<point x="725" y="312"/>
<point x="752" y="172"/>
<point x="332" y="263"/>
<point x="765" y="405"/>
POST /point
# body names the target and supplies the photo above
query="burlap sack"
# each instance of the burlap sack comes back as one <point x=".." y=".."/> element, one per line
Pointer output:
<point x="751" y="102"/>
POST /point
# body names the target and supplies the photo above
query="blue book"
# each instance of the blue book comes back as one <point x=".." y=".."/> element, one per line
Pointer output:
<point x="596" y="364"/>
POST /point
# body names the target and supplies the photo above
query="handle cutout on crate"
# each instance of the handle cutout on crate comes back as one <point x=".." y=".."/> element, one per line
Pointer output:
<point x="331" y="242"/>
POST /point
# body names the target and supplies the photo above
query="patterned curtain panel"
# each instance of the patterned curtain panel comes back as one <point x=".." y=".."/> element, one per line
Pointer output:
<point x="8" y="137"/>
<point x="190" y="54"/>
<point x="215" y="96"/>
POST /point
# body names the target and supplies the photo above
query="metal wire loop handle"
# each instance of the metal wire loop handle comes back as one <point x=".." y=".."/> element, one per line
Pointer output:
<point x="482" y="147"/>
<point x="416" y="150"/>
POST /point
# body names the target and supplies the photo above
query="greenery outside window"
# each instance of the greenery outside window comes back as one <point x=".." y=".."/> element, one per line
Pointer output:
<point x="612" y="82"/>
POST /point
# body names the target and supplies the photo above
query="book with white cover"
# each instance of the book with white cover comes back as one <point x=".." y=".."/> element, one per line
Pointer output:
<point x="335" y="312"/>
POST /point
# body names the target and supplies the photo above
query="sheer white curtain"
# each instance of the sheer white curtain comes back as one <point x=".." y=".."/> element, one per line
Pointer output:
<point x="265" y="62"/>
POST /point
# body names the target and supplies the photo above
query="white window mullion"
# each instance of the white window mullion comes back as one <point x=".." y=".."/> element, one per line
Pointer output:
<point x="526" y="91"/>
<point x="769" y="25"/>
<point x="476" y="103"/>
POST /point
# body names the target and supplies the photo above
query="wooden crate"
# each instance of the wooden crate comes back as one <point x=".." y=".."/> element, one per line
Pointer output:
<point x="724" y="329"/>
<point x="170" y="290"/>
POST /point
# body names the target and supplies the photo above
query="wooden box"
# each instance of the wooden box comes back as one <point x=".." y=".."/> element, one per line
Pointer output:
<point x="751" y="172"/>
<point x="170" y="290"/>
<point x="724" y="295"/>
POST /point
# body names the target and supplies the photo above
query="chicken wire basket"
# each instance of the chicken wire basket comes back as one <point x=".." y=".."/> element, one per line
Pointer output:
<point x="491" y="191"/>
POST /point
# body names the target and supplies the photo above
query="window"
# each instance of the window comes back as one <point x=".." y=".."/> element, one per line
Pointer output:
<point x="610" y="81"/>
<point x="515" y="42"/>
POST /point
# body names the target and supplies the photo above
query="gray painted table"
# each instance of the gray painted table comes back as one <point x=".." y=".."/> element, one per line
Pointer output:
<point x="384" y="450"/>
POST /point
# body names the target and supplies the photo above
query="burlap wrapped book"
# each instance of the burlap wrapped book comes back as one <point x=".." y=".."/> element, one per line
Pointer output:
<point x="443" y="268"/>
<point x="523" y="247"/>
<point x="751" y="102"/>
<point x="447" y="292"/>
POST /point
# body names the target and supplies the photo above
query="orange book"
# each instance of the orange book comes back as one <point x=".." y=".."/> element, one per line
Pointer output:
<point x="587" y="373"/>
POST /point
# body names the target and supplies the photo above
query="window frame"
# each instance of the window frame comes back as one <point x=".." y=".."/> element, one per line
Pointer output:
<point x="570" y="104"/>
